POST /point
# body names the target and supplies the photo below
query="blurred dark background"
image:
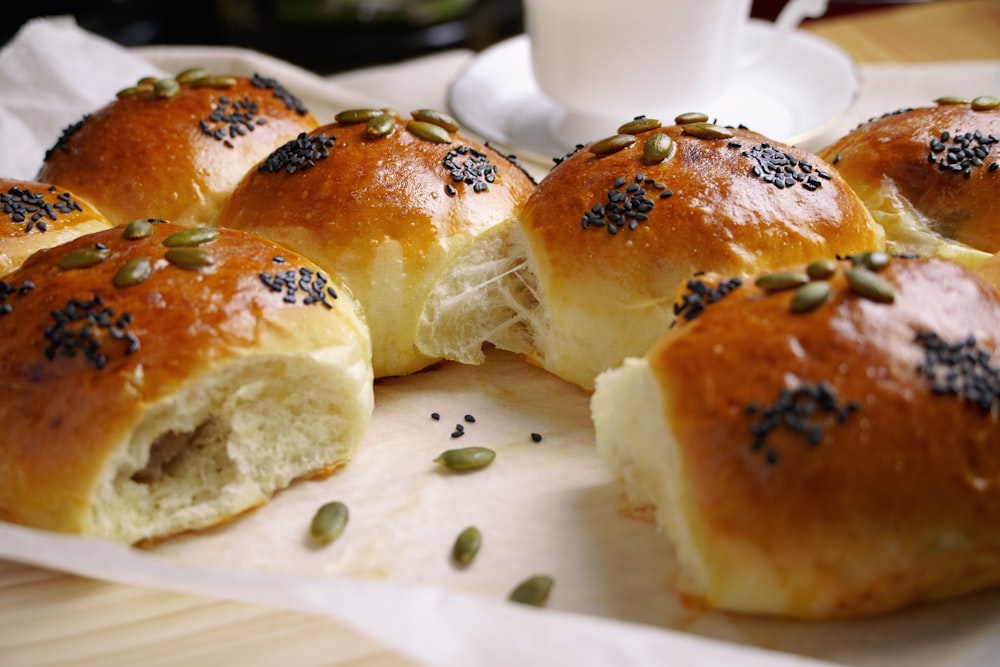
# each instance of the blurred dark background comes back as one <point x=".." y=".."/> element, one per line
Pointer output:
<point x="325" y="36"/>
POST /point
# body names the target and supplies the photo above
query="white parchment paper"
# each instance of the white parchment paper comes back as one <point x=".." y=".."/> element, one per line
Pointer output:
<point x="546" y="507"/>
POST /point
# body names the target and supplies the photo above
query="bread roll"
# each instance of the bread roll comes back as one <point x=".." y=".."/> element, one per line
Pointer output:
<point x="837" y="461"/>
<point x="930" y="177"/>
<point x="385" y="207"/>
<point x="40" y="215"/>
<point x="174" y="148"/>
<point x="155" y="384"/>
<point x="606" y="238"/>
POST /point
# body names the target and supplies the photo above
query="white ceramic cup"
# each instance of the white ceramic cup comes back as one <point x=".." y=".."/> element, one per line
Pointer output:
<point x="612" y="60"/>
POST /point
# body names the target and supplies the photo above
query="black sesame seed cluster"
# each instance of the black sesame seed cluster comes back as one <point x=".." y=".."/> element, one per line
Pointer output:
<point x="627" y="204"/>
<point x="960" y="152"/>
<point x="64" y="138"/>
<point x="231" y="119"/>
<point x="962" y="369"/>
<point x="469" y="166"/>
<point x="783" y="170"/>
<point x="81" y="326"/>
<point x="312" y="284"/>
<point x="701" y="294"/>
<point x="31" y="209"/>
<point x="799" y="410"/>
<point x="300" y="153"/>
<point x="280" y="92"/>
<point x="8" y="290"/>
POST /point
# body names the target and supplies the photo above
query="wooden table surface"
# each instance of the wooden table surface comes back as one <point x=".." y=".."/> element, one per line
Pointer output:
<point x="52" y="618"/>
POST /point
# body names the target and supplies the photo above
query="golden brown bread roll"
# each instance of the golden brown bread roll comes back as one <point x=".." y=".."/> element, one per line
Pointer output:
<point x="174" y="148"/>
<point x="833" y="461"/>
<point x="929" y="176"/>
<point x="385" y="207"/>
<point x="156" y="383"/>
<point x="40" y="215"/>
<point x="606" y="238"/>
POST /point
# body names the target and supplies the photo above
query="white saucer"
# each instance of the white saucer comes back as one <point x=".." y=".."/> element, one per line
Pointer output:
<point x="798" y="91"/>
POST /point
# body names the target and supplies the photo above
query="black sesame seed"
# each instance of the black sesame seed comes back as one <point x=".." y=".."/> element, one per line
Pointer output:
<point x="536" y="437"/>
<point x="435" y="416"/>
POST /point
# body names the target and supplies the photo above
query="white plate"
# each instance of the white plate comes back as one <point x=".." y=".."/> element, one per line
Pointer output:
<point x="794" y="94"/>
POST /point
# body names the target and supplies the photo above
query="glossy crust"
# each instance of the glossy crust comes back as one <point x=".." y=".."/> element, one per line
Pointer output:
<point x="611" y="295"/>
<point x="40" y="215"/>
<point x="176" y="158"/>
<point x="929" y="204"/>
<point x="383" y="212"/>
<point x="882" y="493"/>
<point x="178" y="402"/>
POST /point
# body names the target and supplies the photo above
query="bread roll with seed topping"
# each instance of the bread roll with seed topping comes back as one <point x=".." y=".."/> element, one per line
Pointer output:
<point x="159" y="379"/>
<point x="831" y="461"/>
<point x="39" y="215"/>
<point x="930" y="177"/>
<point x="175" y="148"/>
<point x="604" y="241"/>
<point x="384" y="202"/>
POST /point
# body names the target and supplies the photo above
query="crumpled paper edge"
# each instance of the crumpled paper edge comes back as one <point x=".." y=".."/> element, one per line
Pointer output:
<point x="423" y="622"/>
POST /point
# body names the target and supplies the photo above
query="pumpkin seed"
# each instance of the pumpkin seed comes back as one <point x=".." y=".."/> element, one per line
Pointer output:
<point x="691" y="117"/>
<point x="533" y="590"/>
<point x="781" y="280"/>
<point x="133" y="272"/>
<point x="147" y="81"/>
<point x="467" y="545"/>
<point x="810" y="296"/>
<point x="166" y="87"/>
<point x="138" y="229"/>
<point x="429" y="131"/>
<point x="821" y="269"/>
<point x="135" y="90"/>
<point x="84" y="257"/>
<point x="707" y="131"/>
<point x="329" y="522"/>
<point x="869" y="285"/>
<point x="985" y="103"/>
<point x="639" y="125"/>
<point x="612" y="144"/>
<point x="188" y="258"/>
<point x="191" y="237"/>
<point x="875" y="260"/>
<point x="657" y="148"/>
<point x="878" y="260"/>
<point x="192" y="74"/>
<point x="381" y="126"/>
<point x="214" y="82"/>
<point x="466" y="458"/>
<point x="434" y="117"/>
<point x="349" y="116"/>
<point x="951" y="99"/>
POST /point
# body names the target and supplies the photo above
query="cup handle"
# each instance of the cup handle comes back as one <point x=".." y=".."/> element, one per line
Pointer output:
<point x="791" y="15"/>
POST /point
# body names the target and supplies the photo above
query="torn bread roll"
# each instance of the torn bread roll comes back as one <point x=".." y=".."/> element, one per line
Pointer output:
<point x="40" y="215"/>
<point x="174" y="148"/>
<point x="159" y="379"/>
<point x="930" y="176"/>
<point x="819" y="447"/>
<point x="595" y="256"/>
<point x="384" y="202"/>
